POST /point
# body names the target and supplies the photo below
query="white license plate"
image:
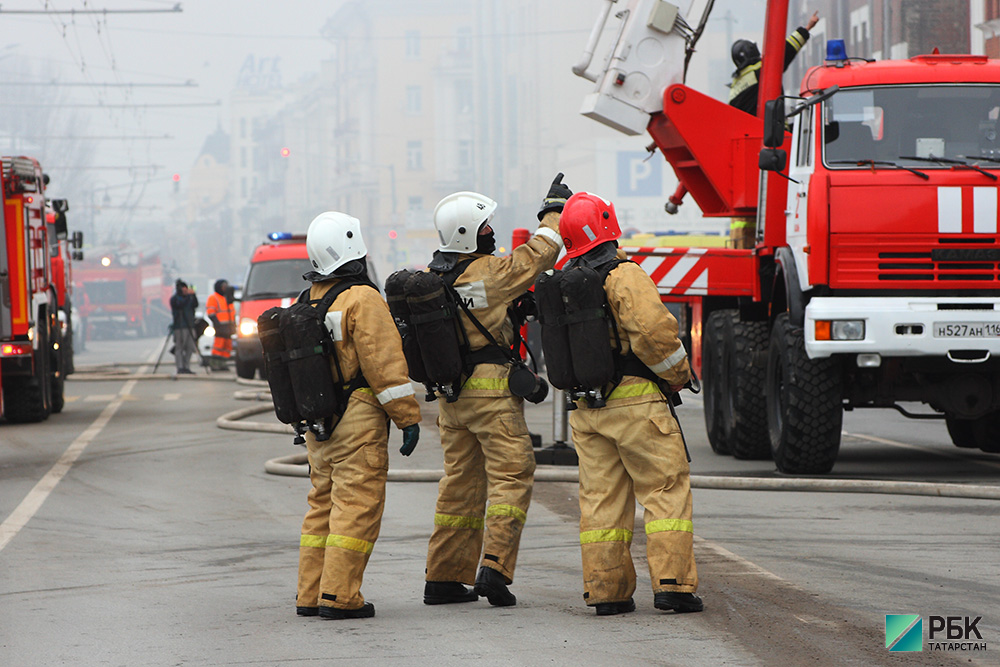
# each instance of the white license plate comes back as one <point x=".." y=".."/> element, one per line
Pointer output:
<point x="966" y="330"/>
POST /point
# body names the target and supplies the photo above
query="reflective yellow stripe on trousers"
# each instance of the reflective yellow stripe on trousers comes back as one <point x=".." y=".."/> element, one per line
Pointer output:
<point x="485" y="383"/>
<point x="341" y="541"/>
<point x="611" y="535"/>
<point x="507" y="510"/>
<point x="663" y="525"/>
<point x="633" y="390"/>
<point x="452" y="521"/>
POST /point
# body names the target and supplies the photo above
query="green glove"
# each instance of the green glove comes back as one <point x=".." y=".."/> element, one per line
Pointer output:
<point x="556" y="198"/>
<point x="410" y="436"/>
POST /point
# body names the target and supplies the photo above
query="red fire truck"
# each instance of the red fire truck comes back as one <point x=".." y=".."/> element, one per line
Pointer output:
<point x="123" y="293"/>
<point x="875" y="278"/>
<point x="35" y="351"/>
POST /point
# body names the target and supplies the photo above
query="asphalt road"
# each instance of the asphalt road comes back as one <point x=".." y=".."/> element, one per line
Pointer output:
<point x="133" y="531"/>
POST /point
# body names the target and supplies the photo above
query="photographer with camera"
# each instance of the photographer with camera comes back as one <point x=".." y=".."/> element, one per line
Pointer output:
<point x="487" y="449"/>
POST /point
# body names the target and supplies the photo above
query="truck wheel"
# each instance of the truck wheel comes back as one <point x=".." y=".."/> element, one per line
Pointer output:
<point x="746" y="423"/>
<point x="245" y="369"/>
<point x="962" y="431"/>
<point x="804" y="410"/>
<point x="988" y="432"/>
<point x="27" y="399"/>
<point x="715" y="380"/>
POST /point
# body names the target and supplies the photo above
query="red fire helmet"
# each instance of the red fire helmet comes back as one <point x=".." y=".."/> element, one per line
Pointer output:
<point x="586" y="222"/>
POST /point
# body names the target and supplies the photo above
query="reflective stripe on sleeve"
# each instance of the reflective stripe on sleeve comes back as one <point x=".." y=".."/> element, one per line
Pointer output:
<point x="663" y="525"/>
<point x="612" y="535"/>
<point x="318" y="541"/>
<point x="486" y="383"/>
<point x="392" y="393"/>
<point x="452" y="521"/>
<point x="677" y="357"/>
<point x="795" y="39"/>
<point x="633" y="390"/>
<point x="550" y="234"/>
<point x="349" y="543"/>
<point x="507" y="510"/>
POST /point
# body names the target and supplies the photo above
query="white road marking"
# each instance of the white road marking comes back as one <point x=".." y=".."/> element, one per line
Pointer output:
<point x="923" y="448"/>
<point x="171" y="397"/>
<point x="23" y="513"/>
<point x="99" y="398"/>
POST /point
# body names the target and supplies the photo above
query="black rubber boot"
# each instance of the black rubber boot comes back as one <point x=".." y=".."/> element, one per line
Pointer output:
<point x="613" y="608"/>
<point x="682" y="603"/>
<point x="491" y="585"/>
<point x="307" y="611"/>
<point x="447" y="592"/>
<point x="367" y="610"/>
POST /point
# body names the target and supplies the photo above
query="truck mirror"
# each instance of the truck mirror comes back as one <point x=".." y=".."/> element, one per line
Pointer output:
<point x="774" y="123"/>
<point x="772" y="159"/>
<point x="77" y="255"/>
<point x="77" y="240"/>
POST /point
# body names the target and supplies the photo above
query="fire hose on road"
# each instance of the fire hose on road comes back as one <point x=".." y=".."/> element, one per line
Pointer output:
<point x="295" y="465"/>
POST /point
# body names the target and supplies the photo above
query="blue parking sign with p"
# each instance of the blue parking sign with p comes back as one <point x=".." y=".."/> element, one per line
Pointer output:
<point x="639" y="175"/>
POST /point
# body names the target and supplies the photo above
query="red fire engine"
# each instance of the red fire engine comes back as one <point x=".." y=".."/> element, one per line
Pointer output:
<point x="874" y="279"/>
<point x="123" y="292"/>
<point x="35" y="338"/>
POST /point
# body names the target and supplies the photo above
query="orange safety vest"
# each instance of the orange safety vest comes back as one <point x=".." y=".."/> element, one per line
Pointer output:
<point x="220" y="308"/>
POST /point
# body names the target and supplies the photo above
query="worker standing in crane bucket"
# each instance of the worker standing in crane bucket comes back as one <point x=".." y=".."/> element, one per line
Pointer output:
<point x="630" y="445"/>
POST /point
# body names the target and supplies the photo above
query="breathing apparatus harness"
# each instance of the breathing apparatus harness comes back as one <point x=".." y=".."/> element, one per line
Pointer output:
<point x="305" y="392"/>
<point x="426" y="307"/>
<point x="584" y="364"/>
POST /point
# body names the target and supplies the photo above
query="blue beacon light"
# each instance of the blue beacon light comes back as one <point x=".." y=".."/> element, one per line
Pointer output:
<point x="836" y="51"/>
<point x="279" y="236"/>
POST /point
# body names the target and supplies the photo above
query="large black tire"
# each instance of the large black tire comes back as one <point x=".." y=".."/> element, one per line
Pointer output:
<point x="29" y="399"/>
<point x="962" y="432"/>
<point x="245" y="369"/>
<point x="804" y="403"/>
<point x="715" y="380"/>
<point x="746" y="425"/>
<point x="988" y="432"/>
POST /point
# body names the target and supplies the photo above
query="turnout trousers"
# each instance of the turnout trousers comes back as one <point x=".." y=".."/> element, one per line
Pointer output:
<point x="628" y="452"/>
<point x="348" y="474"/>
<point x="487" y="455"/>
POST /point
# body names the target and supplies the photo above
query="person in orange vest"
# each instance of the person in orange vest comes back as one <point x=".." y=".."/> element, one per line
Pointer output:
<point x="220" y="310"/>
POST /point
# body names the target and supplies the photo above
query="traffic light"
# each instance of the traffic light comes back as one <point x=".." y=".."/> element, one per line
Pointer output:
<point x="177" y="183"/>
<point x="285" y="152"/>
<point x="392" y="234"/>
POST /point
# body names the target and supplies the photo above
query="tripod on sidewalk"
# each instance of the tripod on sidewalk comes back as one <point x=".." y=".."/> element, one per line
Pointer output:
<point x="166" y="341"/>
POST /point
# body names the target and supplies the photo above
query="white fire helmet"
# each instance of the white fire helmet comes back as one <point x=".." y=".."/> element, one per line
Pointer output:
<point x="332" y="240"/>
<point x="458" y="219"/>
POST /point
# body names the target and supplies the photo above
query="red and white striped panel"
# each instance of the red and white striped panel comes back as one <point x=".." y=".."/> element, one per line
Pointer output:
<point x="698" y="271"/>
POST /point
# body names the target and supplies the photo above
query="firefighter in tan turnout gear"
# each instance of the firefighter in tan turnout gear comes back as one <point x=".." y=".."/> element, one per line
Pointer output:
<point x="348" y="470"/>
<point x="632" y="447"/>
<point x="487" y="449"/>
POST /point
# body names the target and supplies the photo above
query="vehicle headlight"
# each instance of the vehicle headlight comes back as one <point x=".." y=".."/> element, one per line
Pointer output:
<point x="210" y="331"/>
<point x="248" y="327"/>
<point x="840" y="329"/>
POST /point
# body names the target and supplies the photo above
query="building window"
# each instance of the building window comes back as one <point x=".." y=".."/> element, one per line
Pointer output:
<point x="463" y="96"/>
<point x="243" y="187"/>
<point x="243" y="128"/>
<point x="415" y="203"/>
<point x="414" y="155"/>
<point x="243" y="156"/>
<point x="464" y="154"/>
<point x="463" y="40"/>
<point x="414" y="100"/>
<point x="412" y="44"/>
